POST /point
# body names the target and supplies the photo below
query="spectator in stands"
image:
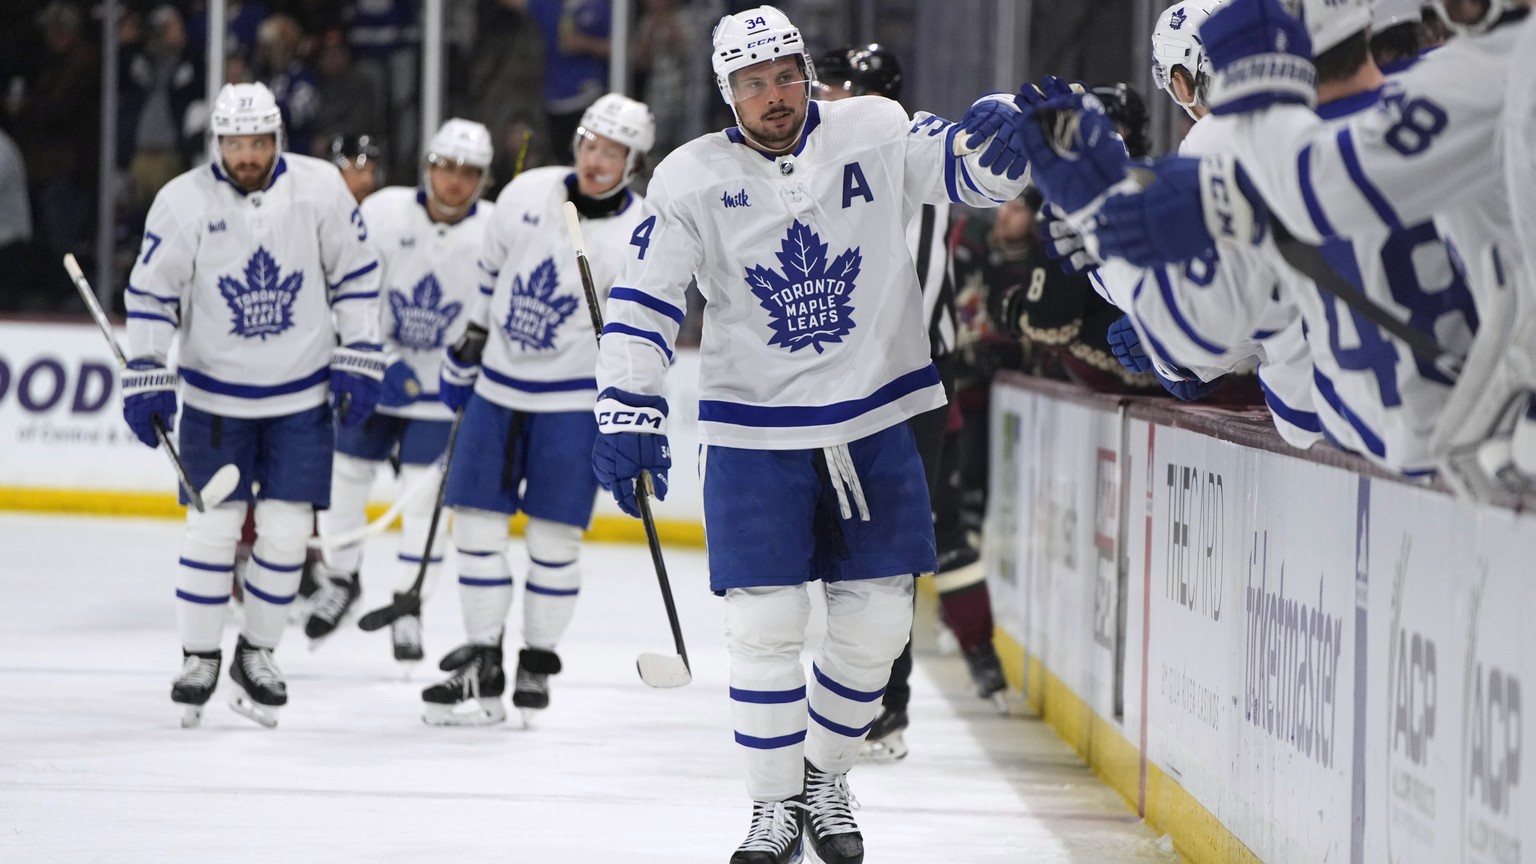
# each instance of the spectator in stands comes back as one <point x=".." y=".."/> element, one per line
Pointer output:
<point x="661" y="55"/>
<point x="348" y="99"/>
<point x="242" y="19"/>
<point x="16" y="256"/>
<point x="576" y="49"/>
<point x="162" y="78"/>
<point x="385" y="42"/>
<point x="506" y="88"/>
<point x="56" y="116"/>
<point x="280" y="66"/>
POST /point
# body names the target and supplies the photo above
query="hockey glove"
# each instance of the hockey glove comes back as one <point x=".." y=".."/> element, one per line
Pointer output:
<point x="1187" y="389"/>
<point x="357" y="377"/>
<point x="1189" y="205"/>
<point x="991" y="117"/>
<point x="631" y="438"/>
<point x="1261" y="55"/>
<point x="1071" y="145"/>
<point x="461" y="366"/>
<point x="149" y="391"/>
<point x="1064" y="243"/>
<point x="401" y="386"/>
<point x="1125" y="344"/>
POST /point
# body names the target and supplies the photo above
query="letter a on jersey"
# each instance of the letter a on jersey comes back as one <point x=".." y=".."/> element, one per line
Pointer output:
<point x="810" y="302"/>
<point x="536" y="312"/>
<point x="262" y="306"/>
<point x="854" y="185"/>
<point x="420" y="320"/>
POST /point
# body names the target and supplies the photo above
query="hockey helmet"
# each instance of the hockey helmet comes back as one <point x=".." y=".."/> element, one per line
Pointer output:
<point x="1127" y="110"/>
<point x="458" y="142"/>
<point x="627" y="121"/>
<point x="1491" y="14"/>
<point x="1330" y="22"/>
<point x="356" y="150"/>
<point x="245" y="109"/>
<point x="1176" y="44"/>
<point x="1390" y="13"/>
<point x="755" y="36"/>
<point x="863" y="70"/>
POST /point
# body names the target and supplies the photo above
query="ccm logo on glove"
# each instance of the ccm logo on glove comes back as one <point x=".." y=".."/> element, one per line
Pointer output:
<point x="615" y="416"/>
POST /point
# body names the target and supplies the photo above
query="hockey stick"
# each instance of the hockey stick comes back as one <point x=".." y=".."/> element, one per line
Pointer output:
<point x="224" y="480"/>
<point x="409" y="602"/>
<point x="377" y="526"/>
<point x="657" y="670"/>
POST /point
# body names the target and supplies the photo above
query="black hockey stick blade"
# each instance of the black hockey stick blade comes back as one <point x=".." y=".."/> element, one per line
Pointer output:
<point x="405" y="603"/>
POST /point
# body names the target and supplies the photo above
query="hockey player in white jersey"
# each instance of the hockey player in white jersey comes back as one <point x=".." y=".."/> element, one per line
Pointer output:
<point x="428" y="240"/>
<point x="254" y="265"/>
<point x="813" y="358"/>
<point x="523" y="373"/>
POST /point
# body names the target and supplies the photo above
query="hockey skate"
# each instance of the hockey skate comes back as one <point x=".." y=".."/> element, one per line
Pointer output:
<point x="884" y="743"/>
<point x="531" y="692"/>
<point x="834" y="836"/>
<point x="333" y="602"/>
<point x="405" y="633"/>
<point x="477" y="678"/>
<point x="193" y="687"/>
<point x="775" y="835"/>
<point x="261" y="688"/>
<point x="987" y="674"/>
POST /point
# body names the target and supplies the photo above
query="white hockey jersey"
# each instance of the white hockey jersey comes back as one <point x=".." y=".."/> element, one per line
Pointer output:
<point x="814" y="333"/>
<point x="431" y="281"/>
<point x="258" y="286"/>
<point x="542" y="353"/>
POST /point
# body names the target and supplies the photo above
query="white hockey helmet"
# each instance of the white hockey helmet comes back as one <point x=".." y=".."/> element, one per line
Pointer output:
<point x="622" y="119"/>
<point x="246" y="109"/>
<point x="458" y="142"/>
<point x="1390" y="13"/>
<point x="1495" y="11"/>
<point x="756" y="36"/>
<point x="1176" y="44"/>
<point x="1330" y="22"/>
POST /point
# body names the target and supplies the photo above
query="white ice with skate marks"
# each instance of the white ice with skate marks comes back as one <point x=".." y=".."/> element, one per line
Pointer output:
<point x="94" y="765"/>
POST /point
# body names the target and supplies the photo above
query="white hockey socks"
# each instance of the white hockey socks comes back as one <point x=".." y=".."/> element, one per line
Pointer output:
<point x="765" y="633"/>
<point x="272" y="576"/>
<point x="554" y="580"/>
<point x="205" y="574"/>
<point x="868" y="622"/>
<point x="485" y="584"/>
<point x="415" y="521"/>
<point x="351" y="478"/>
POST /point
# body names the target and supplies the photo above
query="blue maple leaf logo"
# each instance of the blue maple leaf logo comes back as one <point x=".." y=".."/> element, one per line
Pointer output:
<point x="1176" y="20"/>
<point x="536" y="313"/>
<point x="263" y="304"/>
<point x="809" y="302"/>
<point x="420" y="322"/>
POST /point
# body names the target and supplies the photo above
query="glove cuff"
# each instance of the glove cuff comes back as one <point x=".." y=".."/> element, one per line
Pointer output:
<point x="367" y="362"/>
<point x="617" y="412"/>
<point x="1233" y="215"/>
<point x="145" y="380"/>
<point x="1262" y="80"/>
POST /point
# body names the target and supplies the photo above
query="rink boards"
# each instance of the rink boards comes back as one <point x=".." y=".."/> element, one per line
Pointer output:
<point x="64" y="446"/>
<point x="1272" y="658"/>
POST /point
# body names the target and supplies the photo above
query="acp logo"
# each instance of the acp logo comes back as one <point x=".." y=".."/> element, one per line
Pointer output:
<point x="43" y="383"/>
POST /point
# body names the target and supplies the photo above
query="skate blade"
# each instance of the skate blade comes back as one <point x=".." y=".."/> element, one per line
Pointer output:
<point x="528" y="715"/>
<point x="407" y="668"/>
<point x="889" y="749"/>
<point x="999" y="701"/>
<point x="248" y="708"/>
<point x="486" y="712"/>
<point x="191" y="716"/>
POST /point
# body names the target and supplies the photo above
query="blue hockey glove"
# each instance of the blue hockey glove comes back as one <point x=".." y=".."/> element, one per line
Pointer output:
<point x="401" y="386"/>
<point x="1189" y="206"/>
<point x="149" y="391"/>
<point x="631" y="437"/>
<point x="1064" y="243"/>
<point x="1190" y="389"/>
<point x="1261" y="56"/>
<point x="461" y="366"/>
<point x="1126" y="345"/>
<point x="1071" y="145"/>
<point x="357" y="377"/>
<point x="992" y="116"/>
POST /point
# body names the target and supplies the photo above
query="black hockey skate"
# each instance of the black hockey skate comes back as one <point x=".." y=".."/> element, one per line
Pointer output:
<point x="261" y="687"/>
<point x="885" y="743"/>
<point x="775" y="835"/>
<point x="193" y="687"/>
<point x="405" y="633"/>
<point x="834" y="836"/>
<point x="987" y="674"/>
<point x="333" y="601"/>
<point x="478" y="677"/>
<point x="531" y="692"/>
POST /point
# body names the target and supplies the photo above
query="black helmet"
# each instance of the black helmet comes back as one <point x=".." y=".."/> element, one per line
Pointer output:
<point x="354" y="150"/>
<point x="1124" y="106"/>
<point x="863" y="69"/>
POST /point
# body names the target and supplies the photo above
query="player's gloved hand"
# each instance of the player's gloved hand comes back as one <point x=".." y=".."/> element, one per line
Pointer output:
<point x="631" y="438"/>
<point x="1261" y="55"/>
<point x="1064" y="243"/>
<point x="461" y="366"/>
<point x="1071" y="146"/>
<point x="1189" y="205"/>
<point x="1189" y="388"/>
<point x="990" y="117"/>
<point x="401" y="386"/>
<point x="1126" y="346"/>
<point x="357" y="377"/>
<point x="149" y="391"/>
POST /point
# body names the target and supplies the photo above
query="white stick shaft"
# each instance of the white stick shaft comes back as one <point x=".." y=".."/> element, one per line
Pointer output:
<point x="83" y="285"/>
